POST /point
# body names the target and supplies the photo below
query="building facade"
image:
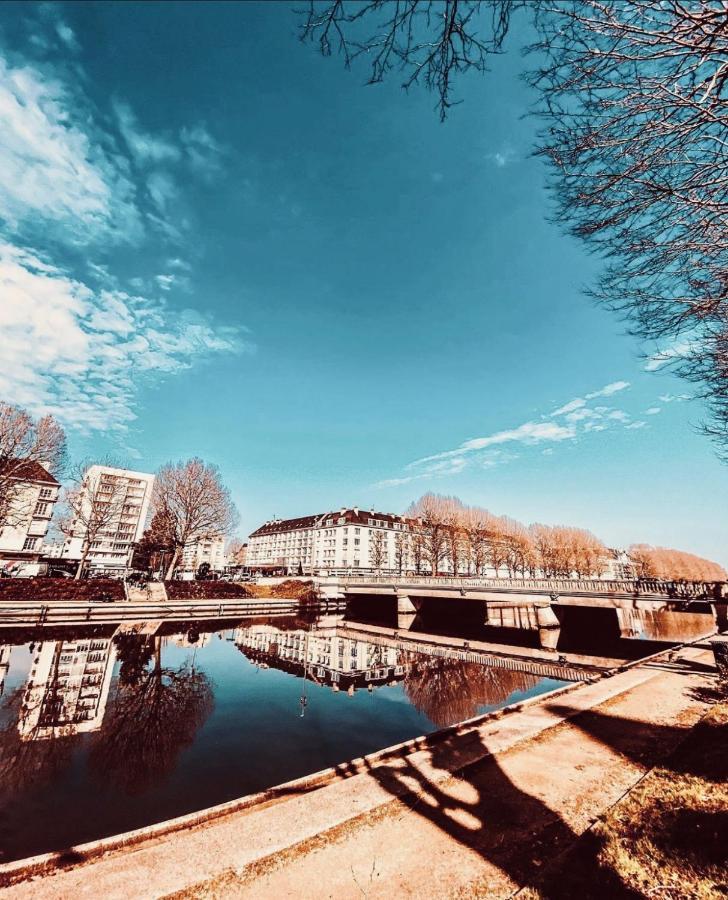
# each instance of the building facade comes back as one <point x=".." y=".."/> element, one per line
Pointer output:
<point x="618" y="566"/>
<point x="129" y="493"/>
<point x="29" y="515"/>
<point x="209" y="550"/>
<point x="347" y="541"/>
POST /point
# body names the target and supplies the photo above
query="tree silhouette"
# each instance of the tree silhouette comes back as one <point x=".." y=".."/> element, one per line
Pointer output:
<point x="452" y="690"/>
<point x="632" y="98"/>
<point x="155" y="715"/>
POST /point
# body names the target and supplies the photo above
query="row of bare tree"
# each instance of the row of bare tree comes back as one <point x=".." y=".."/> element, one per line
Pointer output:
<point x="674" y="565"/>
<point x="189" y="501"/>
<point x="449" y="536"/>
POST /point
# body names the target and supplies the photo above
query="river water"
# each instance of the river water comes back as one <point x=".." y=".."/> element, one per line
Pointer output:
<point x="104" y="730"/>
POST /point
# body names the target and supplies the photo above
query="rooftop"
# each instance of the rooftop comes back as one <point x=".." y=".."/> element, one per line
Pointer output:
<point x="343" y="516"/>
<point x="26" y="470"/>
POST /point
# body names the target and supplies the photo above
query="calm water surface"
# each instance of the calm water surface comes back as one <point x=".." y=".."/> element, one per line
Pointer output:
<point x="101" y="733"/>
<point x="106" y="730"/>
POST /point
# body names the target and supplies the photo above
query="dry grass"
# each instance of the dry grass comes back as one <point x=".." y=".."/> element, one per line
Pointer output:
<point x="291" y="589"/>
<point x="667" y="839"/>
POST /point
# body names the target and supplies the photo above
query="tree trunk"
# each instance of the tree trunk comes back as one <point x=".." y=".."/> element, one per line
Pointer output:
<point x="82" y="561"/>
<point x="173" y="564"/>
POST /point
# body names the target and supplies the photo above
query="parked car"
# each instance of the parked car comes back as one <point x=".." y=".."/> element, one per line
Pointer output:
<point x="58" y="573"/>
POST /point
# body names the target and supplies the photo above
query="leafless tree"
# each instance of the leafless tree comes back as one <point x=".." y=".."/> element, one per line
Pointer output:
<point x="24" y="441"/>
<point x="377" y="549"/>
<point x="476" y="537"/>
<point x="428" y="42"/>
<point x="632" y="97"/>
<point x="93" y="506"/>
<point x="419" y="548"/>
<point x="563" y="552"/>
<point x="430" y="511"/>
<point x="674" y="565"/>
<point x="234" y="549"/>
<point x="194" y="501"/>
<point x="401" y="550"/>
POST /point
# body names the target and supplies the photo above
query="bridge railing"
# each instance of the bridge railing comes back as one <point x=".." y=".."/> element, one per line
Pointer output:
<point x="680" y="590"/>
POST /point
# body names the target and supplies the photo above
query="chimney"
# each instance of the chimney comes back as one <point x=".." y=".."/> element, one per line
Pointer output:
<point x="356" y="510"/>
<point x="342" y="510"/>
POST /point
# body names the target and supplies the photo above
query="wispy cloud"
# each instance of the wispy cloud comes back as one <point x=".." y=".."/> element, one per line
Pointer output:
<point x="567" y="423"/>
<point x="144" y="147"/>
<point x="81" y="353"/>
<point x="51" y="172"/>
<point x="613" y="387"/>
<point x="80" y="346"/>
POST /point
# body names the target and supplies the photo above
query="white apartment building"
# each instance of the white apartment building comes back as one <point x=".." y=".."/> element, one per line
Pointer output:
<point x="31" y="509"/>
<point x="207" y="550"/>
<point x="68" y="688"/>
<point x="130" y="493"/>
<point x="618" y="566"/>
<point x="342" y="542"/>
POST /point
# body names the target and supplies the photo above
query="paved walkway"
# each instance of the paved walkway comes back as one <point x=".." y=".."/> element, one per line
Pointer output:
<point x="474" y="816"/>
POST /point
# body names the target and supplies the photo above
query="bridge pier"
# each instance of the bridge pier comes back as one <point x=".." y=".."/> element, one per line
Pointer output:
<point x="720" y="614"/>
<point x="548" y="638"/>
<point x="546" y="617"/>
<point x="406" y="612"/>
<point x="405" y="605"/>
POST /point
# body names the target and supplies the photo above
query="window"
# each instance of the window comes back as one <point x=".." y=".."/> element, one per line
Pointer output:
<point x="30" y="543"/>
<point x="45" y="493"/>
<point x="41" y="509"/>
<point x="356" y="542"/>
<point x="357" y="530"/>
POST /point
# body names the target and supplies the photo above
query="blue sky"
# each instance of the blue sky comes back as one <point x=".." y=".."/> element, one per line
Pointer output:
<point x="213" y="241"/>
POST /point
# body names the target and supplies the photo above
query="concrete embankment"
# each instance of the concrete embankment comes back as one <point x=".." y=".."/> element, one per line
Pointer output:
<point x="474" y="811"/>
<point x="18" y="615"/>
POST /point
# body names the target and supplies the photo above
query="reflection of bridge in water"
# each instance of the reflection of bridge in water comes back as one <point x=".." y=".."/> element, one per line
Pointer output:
<point x="533" y="604"/>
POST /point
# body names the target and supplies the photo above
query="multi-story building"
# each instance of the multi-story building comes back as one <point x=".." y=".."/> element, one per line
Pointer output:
<point x="341" y="542"/>
<point x="34" y="494"/>
<point x="325" y="656"/>
<point x="68" y="688"/>
<point x="206" y="550"/>
<point x="129" y="495"/>
<point x="618" y="566"/>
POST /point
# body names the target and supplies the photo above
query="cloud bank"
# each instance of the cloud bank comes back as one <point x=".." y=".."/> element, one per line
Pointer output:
<point x="74" y="182"/>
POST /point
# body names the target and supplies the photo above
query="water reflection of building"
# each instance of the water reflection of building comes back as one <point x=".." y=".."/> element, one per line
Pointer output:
<point x="68" y="688"/>
<point x="341" y="662"/>
<point x="4" y="666"/>
<point x="189" y="639"/>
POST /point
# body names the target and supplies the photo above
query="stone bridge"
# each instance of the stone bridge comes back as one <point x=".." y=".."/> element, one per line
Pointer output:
<point x="529" y="602"/>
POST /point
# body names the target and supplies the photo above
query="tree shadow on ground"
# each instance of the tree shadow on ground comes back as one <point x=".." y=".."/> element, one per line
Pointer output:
<point x="486" y="812"/>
